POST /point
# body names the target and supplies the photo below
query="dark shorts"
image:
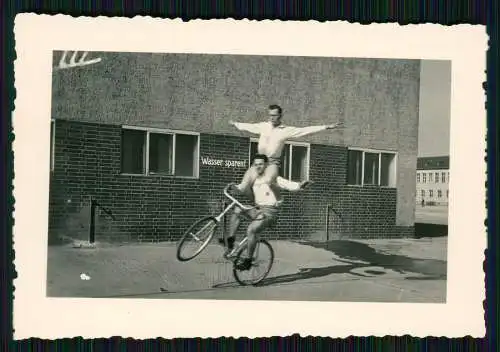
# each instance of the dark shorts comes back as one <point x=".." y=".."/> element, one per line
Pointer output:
<point x="267" y="214"/>
<point x="275" y="161"/>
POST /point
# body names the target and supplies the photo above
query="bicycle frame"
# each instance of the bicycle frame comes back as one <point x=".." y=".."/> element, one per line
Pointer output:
<point x="234" y="203"/>
<point x="216" y="220"/>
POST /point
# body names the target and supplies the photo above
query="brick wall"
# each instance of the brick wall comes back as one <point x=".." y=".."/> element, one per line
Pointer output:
<point x="152" y="208"/>
<point x="377" y="99"/>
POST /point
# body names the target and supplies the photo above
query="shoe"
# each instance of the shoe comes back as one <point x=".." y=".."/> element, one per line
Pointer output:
<point x="245" y="264"/>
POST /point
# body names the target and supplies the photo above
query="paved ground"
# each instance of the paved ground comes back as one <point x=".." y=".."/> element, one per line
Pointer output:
<point x="431" y="215"/>
<point x="374" y="271"/>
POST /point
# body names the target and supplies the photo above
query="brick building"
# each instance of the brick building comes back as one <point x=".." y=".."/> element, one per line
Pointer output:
<point x="147" y="136"/>
<point x="433" y="177"/>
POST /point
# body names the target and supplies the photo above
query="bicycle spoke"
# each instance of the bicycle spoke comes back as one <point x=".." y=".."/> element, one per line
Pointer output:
<point x="195" y="237"/>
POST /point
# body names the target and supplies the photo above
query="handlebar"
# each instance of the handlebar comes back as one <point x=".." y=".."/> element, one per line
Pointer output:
<point x="226" y="193"/>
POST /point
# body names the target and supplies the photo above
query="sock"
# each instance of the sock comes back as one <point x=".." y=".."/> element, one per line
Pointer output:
<point x="230" y="242"/>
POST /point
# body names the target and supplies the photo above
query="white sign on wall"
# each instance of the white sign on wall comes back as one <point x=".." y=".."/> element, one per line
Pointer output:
<point x="223" y="162"/>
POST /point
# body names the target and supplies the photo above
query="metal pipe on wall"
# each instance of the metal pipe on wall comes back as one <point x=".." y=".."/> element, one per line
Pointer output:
<point x="327" y="227"/>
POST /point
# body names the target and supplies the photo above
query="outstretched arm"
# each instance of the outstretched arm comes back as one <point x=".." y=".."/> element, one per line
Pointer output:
<point x="249" y="127"/>
<point x="243" y="190"/>
<point x="295" y="132"/>
<point x="288" y="185"/>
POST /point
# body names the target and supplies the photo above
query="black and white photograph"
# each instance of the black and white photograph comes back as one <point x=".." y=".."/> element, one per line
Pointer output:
<point x="250" y="177"/>
<point x="145" y="147"/>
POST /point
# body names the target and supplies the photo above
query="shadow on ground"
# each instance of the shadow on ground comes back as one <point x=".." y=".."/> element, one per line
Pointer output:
<point x="430" y="230"/>
<point x="350" y="251"/>
<point x="348" y="258"/>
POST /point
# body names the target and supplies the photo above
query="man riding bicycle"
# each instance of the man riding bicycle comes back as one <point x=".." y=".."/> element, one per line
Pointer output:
<point x="267" y="200"/>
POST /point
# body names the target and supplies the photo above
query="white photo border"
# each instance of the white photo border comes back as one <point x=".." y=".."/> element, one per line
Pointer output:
<point x="36" y="315"/>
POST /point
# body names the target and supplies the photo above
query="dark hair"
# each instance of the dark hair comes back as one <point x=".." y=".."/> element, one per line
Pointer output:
<point x="261" y="156"/>
<point x="275" y="107"/>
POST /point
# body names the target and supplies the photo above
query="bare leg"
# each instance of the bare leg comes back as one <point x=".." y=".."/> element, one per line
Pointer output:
<point x="271" y="173"/>
<point x="248" y="179"/>
<point x="254" y="229"/>
<point x="234" y="223"/>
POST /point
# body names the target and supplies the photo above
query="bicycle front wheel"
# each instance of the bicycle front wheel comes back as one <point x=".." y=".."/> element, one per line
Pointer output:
<point x="196" y="238"/>
<point x="263" y="259"/>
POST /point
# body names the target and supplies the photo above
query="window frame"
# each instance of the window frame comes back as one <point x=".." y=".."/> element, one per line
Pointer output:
<point x="290" y="145"/>
<point x="173" y="133"/>
<point x="379" y="152"/>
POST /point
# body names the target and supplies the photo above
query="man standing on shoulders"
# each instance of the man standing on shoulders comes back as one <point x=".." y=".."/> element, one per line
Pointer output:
<point x="273" y="135"/>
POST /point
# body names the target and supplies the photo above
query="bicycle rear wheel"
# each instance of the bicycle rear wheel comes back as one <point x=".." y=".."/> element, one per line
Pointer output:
<point x="201" y="232"/>
<point x="263" y="259"/>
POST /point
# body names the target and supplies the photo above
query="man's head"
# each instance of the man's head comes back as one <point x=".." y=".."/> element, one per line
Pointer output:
<point x="260" y="163"/>
<point x="275" y="113"/>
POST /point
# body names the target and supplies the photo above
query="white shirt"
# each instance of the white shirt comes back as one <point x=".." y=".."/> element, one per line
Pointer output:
<point x="264" y="194"/>
<point x="272" y="139"/>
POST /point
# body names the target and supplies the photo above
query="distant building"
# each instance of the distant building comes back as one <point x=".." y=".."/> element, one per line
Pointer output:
<point x="433" y="177"/>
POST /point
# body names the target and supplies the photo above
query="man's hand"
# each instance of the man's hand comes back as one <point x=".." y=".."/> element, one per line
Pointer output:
<point x="236" y="189"/>
<point x="335" y="125"/>
<point x="231" y="122"/>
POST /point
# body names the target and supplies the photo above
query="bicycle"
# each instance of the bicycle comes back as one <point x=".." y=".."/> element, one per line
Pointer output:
<point x="206" y="233"/>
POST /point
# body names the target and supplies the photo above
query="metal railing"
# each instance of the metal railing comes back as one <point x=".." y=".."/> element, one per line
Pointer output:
<point x="94" y="204"/>
<point x="335" y="224"/>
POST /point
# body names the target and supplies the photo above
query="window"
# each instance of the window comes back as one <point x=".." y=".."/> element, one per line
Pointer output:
<point x="354" y="167"/>
<point x="443" y="177"/>
<point x="52" y="143"/>
<point x="431" y="193"/>
<point x="371" y="176"/>
<point x="447" y="193"/>
<point x="424" y="176"/>
<point x="418" y="177"/>
<point x="388" y="169"/>
<point x="294" y="160"/>
<point x="440" y="193"/>
<point x="157" y="152"/>
<point x="422" y="193"/>
<point x="371" y="168"/>
<point x="436" y="177"/>
<point x="430" y="177"/>
<point x="299" y="165"/>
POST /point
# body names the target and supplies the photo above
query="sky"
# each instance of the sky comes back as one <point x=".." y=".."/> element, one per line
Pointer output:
<point x="435" y="95"/>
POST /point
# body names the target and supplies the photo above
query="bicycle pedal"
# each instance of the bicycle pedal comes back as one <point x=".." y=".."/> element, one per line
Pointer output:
<point x="230" y="255"/>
